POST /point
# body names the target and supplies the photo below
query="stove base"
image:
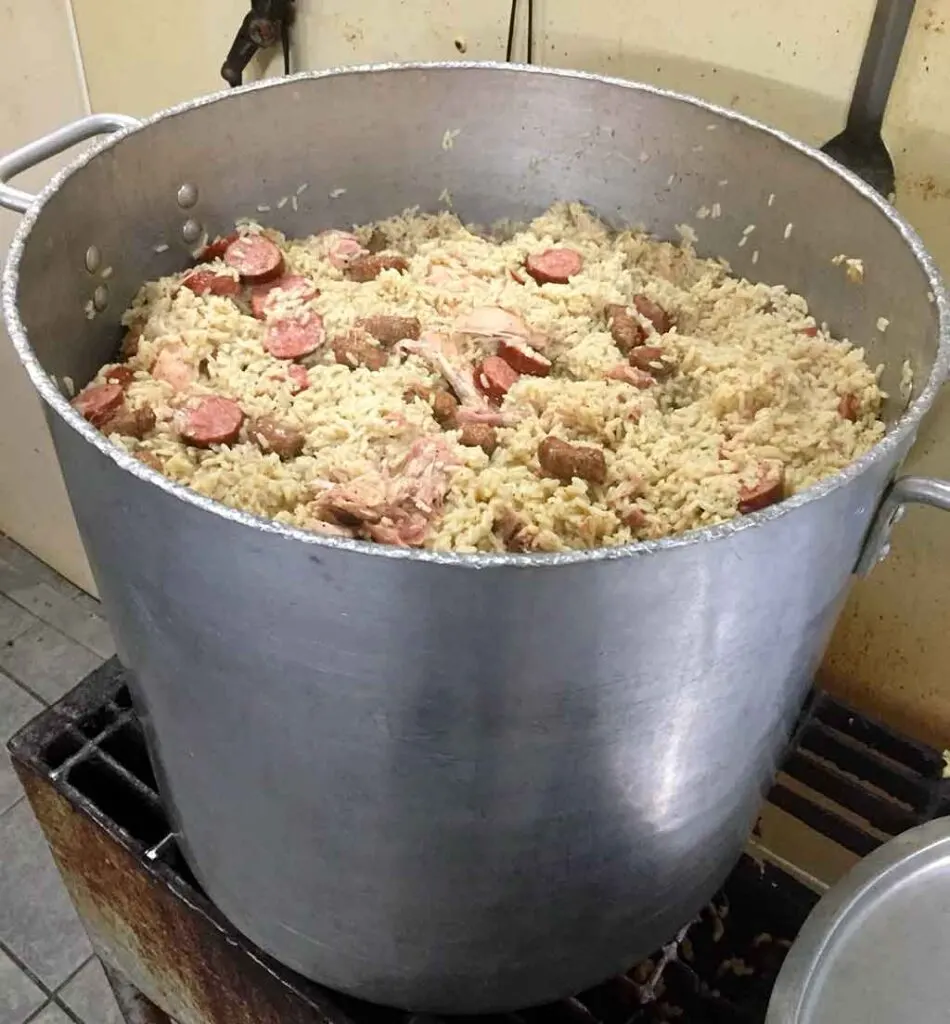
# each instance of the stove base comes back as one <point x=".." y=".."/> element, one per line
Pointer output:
<point x="171" y="956"/>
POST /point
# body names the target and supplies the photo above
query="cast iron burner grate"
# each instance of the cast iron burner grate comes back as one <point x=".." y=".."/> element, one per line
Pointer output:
<point x="86" y="770"/>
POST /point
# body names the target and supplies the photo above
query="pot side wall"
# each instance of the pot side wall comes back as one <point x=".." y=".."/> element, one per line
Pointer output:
<point x="791" y="67"/>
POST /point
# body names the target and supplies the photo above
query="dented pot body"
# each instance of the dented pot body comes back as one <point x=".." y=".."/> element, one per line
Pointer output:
<point x="454" y="783"/>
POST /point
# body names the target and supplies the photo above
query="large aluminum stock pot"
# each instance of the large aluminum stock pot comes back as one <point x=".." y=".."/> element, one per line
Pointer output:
<point x="460" y="783"/>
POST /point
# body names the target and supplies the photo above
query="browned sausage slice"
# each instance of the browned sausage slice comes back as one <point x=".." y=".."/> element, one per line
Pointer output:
<point x="296" y="336"/>
<point x="121" y="375"/>
<point x="355" y="349"/>
<point x="130" y="343"/>
<point x="566" y="461"/>
<point x="368" y="267"/>
<point x="625" y="328"/>
<point x="301" y="288"/>
<point x="378" y="241"/>
<point x="97" y="402"/>
<point x="210" y="420"/>
<point x="524" y="359"/>
<point x="494" y="378"/>
<point x="767" y="488"/>
<point x="656" y="314"/>
<point x="479" y="435"/>
<point x="130" y="422"/>
<point x="635" y="518"/>
<point x="271" y="434"/>
<point x="216" y="249"/>
<point x="444" y="409"/>
<point x="631" y="375"/>
<point x="513" y="531"/>
<point x="204" y="281"/>
<point x="298" y="377"/>
<point x="809" y="332"/>
<point x="650" y="359"/>
<point x="255" y="258"/>
<point x="849" y="407"/>
<point x="388" y="330"/>
<point x="518" y="275"/>
<point x="554" y="266"/>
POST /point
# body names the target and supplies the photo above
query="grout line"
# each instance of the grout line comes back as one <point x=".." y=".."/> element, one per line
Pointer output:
<point x="71" y="1014"/>
<point x="59" y="988"/>
<point x="52" y="625"/>
<point x="26" y="689"/>
<point x="45" y="989"/>
<point x="39" y="1012"/>
<point x="15" y="803"/>
<point x="77" y="54"/>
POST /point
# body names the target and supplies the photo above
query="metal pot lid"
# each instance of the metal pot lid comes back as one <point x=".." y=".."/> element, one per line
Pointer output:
<point x="876" y="948"/>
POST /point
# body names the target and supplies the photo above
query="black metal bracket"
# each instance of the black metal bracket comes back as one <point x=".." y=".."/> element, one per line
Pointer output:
<point x="512" y="23"/>
<point x="265" y="24"/>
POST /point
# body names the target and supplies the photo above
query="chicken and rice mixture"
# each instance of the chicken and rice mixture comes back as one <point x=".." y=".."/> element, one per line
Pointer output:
<point x="416" y="382"/>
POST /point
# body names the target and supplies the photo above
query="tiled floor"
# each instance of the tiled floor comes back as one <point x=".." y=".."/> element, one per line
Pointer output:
<point x="51" y="635"/>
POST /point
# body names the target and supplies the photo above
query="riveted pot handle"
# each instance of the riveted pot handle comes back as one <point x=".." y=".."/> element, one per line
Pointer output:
<point x="907" y="490"/>
<point x="34" y="153"/>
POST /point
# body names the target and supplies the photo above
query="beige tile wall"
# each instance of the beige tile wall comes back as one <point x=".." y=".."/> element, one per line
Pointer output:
<point x="792" y="65"/>
<point x="42" y="86"/>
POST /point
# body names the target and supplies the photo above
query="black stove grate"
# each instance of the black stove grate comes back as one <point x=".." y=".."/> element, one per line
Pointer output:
<point x="850" y="778"/>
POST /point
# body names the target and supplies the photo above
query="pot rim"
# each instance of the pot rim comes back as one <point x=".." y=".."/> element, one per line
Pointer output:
<point x="905" y="427"/>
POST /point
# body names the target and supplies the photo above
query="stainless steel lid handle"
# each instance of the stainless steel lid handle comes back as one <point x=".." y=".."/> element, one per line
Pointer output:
<point x="34" y="153"/>
<point x="918" y="490"/>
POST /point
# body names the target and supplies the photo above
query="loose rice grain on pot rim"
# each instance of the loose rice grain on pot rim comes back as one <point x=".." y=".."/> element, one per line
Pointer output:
<point x="416" y="382"/>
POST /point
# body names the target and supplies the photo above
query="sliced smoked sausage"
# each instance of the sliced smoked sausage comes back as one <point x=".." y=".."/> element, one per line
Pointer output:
<point x="130" y="422"/>
<point x="216" y="249"/>
<point x="444" y="409"/>
<point x="625" y="328"/>
<point x="650" y="359"/>
<point x="523" y="358"/>
<point x="255" y="258"/>
<point x="849" y="407"/>
<point x="554" y="266"/>
<point x="479" y="435"/>
<point x="378" y="241"/>
<point x="632" y="375"/>
<point x="298" y="377"/>
<point x="566" y="461"/>
<point x="210" y="420"/>
<point x="368" y="266"/>
<point x="265" y="297"/>
<point x="656" y="314"/>
<point x="121" y="375"/>
<point x="97" y="402"/>
<point x="295" y="336"/>
<point x="766" y="489"/>
<point x="494" y="378"/>
<point x="204" y="281"/>
<point x="388" y="330"/>
<point x="272" y="434"/>
<point x="129" y="346"/>
<point x="512" y="531"/>
<point x="355" y="349"/>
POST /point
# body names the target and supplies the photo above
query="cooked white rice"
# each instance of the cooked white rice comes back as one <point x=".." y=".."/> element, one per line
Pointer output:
<point x="752" y="386"/>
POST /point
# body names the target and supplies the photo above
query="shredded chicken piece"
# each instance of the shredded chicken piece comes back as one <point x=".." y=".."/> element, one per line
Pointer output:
<point x="437" y="350"/>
